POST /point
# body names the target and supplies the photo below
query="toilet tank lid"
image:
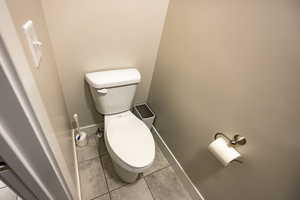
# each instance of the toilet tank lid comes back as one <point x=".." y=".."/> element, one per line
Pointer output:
<point x="113" y="78"/>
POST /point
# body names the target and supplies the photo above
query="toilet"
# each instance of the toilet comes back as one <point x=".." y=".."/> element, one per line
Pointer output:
<point x="129" y="142"/>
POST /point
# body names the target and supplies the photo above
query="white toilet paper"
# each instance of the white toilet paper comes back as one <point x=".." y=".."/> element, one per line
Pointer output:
<point x="224" y="152"/>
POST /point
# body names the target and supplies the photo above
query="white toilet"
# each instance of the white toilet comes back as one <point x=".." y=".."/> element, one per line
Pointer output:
<point x="128" y="140"/>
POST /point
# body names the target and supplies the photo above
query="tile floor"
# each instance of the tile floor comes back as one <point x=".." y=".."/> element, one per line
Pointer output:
<point x="100" y="182"/>
<point x="6" y="193"/>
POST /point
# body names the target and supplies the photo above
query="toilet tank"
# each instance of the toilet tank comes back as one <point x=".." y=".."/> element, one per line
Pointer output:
<point x="113" y="91"/>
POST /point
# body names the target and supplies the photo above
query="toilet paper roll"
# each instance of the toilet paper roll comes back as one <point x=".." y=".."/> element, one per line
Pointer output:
<point x="224" y="152"/>
<point x="81" y="139"/>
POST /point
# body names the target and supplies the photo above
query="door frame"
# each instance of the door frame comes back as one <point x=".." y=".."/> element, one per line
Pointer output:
<point x="35" y="157"/>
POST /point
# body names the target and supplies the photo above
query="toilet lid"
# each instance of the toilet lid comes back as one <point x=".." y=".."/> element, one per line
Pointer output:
<point x="130" y="139"/>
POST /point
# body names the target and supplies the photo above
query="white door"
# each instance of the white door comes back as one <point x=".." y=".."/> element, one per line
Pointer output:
<point x="26" y="158"/>
<point x="30" y="165"/>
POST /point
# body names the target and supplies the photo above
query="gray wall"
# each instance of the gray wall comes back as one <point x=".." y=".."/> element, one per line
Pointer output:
<point x="46" y="76"/>
<point x="98" y="35"/>
<point x="232" y="66"/>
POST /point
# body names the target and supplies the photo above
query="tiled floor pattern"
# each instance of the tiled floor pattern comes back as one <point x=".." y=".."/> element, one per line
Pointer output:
<point x="6" y="193"/>
<point x="100" y="182"/>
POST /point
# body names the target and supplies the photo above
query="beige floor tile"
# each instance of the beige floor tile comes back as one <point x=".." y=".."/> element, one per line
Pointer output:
<point x="101" y="147"/>
<point x="165" y="185"/>
<point x="92" y="179"/>
<point x="135" y="191"/>
<point x="88" y="152"/>
<point x="159" y="162"/>
<point x="113" y="181"/>
<point x="104" y="197"/>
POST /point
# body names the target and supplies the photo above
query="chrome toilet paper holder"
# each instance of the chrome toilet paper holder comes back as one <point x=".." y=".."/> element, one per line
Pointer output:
<point x="236" y="140"/>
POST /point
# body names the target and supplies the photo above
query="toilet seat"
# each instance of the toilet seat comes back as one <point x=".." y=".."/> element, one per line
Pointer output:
<point x="129" y="141"/>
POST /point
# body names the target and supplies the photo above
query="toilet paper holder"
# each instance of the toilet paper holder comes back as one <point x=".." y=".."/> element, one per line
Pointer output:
<point x="236" y="140"/>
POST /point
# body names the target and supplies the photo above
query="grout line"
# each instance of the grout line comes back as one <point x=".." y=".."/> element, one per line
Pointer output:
<point x="103" y="173"/>
<point x="98" y="149"/>
<point x="143" y="177"/>
<point x="169" y="165"/>
<point x="158" y="170"/>
<point x="99" y="196"/>
<point x="79" y="162"/>
<point x="126" y="184"/>
<point x="149" y="188"/>
<point x="104" y="154"/>
<point x="119" y="187"/>
<point x="101" y="162"/>
<point x="98" y="157"/>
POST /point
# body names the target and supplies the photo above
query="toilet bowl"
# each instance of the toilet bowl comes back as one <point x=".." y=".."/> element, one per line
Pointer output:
<point x="129" y="142"/>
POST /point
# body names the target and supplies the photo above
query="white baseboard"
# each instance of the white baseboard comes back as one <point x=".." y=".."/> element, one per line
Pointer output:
<point x="91" y="129"/>
<point x="76" y="167"/>
<point x="186" y="181"/>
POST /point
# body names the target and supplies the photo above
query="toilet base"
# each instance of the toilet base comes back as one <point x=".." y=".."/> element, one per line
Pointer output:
<point x="125" y="175"/>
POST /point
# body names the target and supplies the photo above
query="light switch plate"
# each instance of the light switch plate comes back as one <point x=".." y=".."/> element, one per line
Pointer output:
<point x="33" y="42"/>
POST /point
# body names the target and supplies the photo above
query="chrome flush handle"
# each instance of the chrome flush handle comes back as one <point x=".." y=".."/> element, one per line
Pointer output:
<point x="102" y="91"/>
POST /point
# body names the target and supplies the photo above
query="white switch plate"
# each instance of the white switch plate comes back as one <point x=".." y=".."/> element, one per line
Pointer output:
<point x="33" y="42"/>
